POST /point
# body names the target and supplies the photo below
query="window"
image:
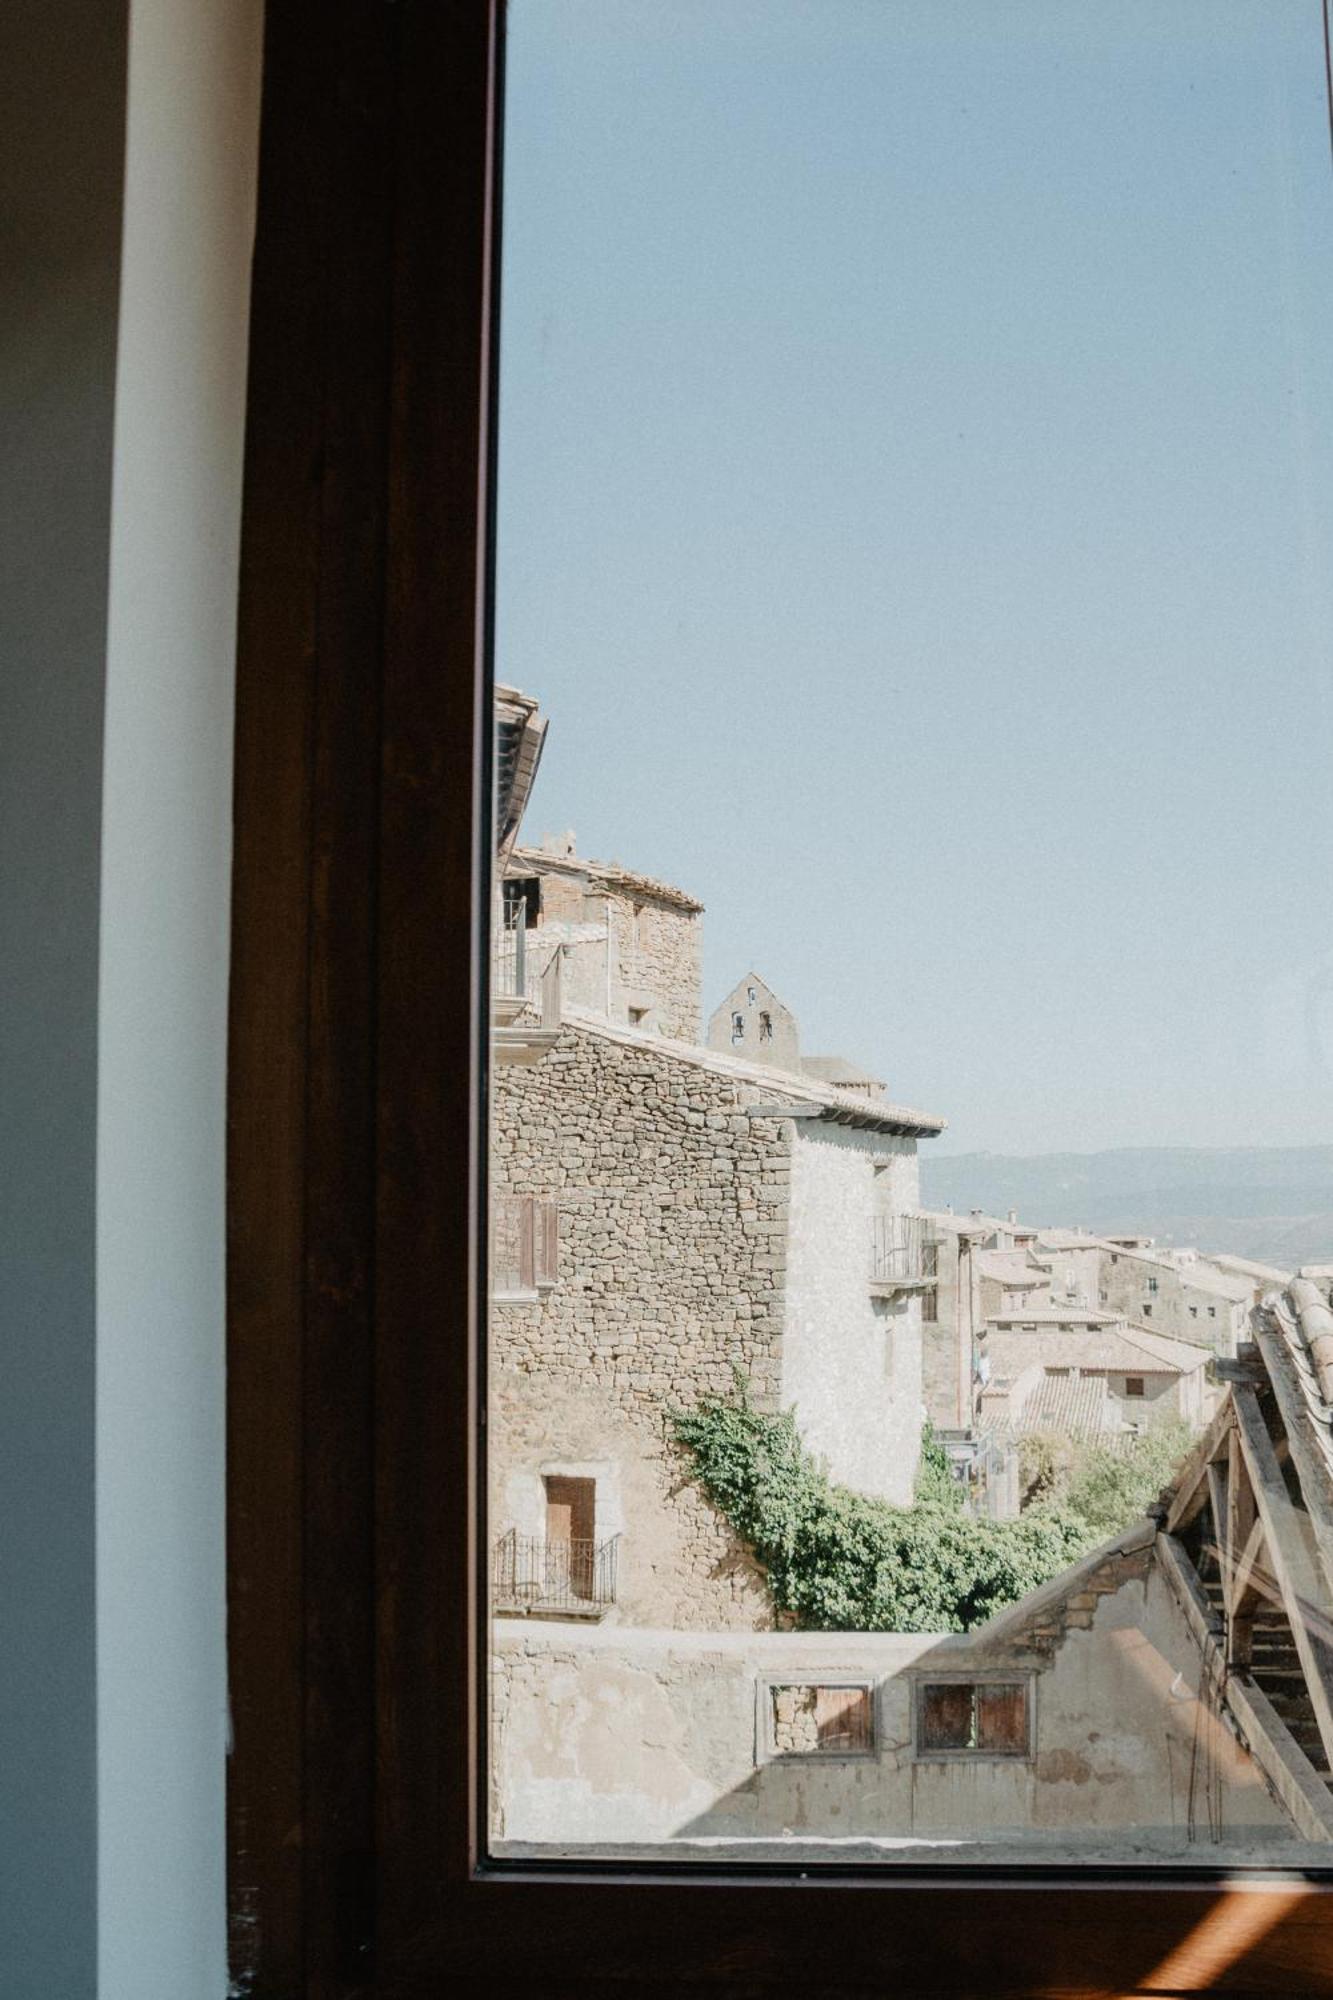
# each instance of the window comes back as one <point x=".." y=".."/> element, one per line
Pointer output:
<point x="765" y="1027"/>
<point x="738" y="1027"/>
<point x="1147" y="1309"/>
<point x="637" y="1016"/>
<point x="1134" y="1385"/>
<point x="525" y="1245"/>
<point x="523" y="892"/>
<point x="1152" y="1284"/>
<point x="807" y="1719"/>
<point x="1194" y="1312"/>
<point x="1212" y="1312"/>
<point x="930" y="1269"/>
<point x="982" y="1718"/>
<point x="413" y="1294"/>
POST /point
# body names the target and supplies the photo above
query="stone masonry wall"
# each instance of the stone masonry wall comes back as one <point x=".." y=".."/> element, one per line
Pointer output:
<point x="656" y="955"/>
<point x="671" y="1272"/>
<point x="1176" y="1307"/>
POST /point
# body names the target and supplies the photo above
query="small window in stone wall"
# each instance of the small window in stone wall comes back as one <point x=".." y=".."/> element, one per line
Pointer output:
<point x="525" y="1245"/>
<point x="958" y="1718"/>
<point x="809" y="1719"/>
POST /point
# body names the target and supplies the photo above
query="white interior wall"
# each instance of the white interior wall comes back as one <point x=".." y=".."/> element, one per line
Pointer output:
<point x="162" y="1004"/>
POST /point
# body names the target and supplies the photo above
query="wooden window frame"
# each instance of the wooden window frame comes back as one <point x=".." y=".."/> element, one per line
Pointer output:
<point x="767" y="1685"/>
<point x="356" y="1206"/>
<point x="923" y="1753"/>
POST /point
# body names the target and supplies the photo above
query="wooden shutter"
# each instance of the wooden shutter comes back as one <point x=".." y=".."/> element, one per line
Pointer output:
<point x="511" y="1244"/>
<point x="842" y="1718"/>
<point x="546" y="1232"/>
<point x="527" y="1259"/>
<point x="1002" y="1716"/>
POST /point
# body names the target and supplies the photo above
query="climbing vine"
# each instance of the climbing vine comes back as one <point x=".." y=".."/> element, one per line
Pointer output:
<point x="839" y="1561"/>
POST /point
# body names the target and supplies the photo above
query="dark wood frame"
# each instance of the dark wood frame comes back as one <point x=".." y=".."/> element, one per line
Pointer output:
<point x="355" y="1203"/>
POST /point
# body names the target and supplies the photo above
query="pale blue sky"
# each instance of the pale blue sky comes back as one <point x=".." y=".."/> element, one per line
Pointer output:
<point x="916" y="516"/>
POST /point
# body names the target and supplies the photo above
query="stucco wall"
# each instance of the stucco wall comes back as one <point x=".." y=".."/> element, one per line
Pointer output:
<point x="851" y="1363"/>
<point x="604" y="1738"/>
<point x="671" y="1274"/>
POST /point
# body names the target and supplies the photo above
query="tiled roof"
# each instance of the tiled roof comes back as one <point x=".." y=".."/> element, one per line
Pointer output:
<point x="1011" y="1267"/>
<point x="1109" y="1344"/>
<point x="797" y="1096"/>
<point x="1248" y="1267"/>
<point x="536" y="861"/>
<point x="1078" y="1405"/>
<point x="1077" y="1317"/>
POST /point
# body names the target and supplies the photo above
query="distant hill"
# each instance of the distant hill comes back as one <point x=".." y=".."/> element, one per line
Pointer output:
<point x="1274" y="1203"/>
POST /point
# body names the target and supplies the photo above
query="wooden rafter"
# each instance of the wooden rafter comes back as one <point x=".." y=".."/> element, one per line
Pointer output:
<point x="1192" y="1487"/>
<point x="1294" y="1556"/>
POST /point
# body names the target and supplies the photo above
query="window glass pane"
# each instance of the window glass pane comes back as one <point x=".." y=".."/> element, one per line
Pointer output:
<point x="911" y="1200"/>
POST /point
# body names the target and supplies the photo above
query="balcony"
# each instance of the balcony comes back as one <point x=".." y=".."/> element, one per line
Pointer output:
<point x="903" y="1255"/>
<point x="517" y="986"/>
<point x="510" y="973"/>
<point x="537" y="1578"/>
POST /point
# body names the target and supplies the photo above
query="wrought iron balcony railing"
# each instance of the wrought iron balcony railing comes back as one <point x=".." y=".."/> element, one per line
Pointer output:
<point x="511" y="954"/>
<point x="564" y="1578"/>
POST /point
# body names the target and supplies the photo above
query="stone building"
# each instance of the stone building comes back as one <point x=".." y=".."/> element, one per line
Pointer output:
<point x="959" y="1248"/>
<point x="1073" y="1262"/>
<point x="753" y="1023"/>
<point x="1166" y="1698"/>
<point x="629" y="945"/>
<point x="1179" y="1293"/>
<point x="665" y="1216"/>
<point x="1027" y="1356"/>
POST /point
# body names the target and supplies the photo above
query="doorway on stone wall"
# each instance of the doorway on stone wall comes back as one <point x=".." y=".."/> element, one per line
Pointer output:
<point x="571" y="1527"/>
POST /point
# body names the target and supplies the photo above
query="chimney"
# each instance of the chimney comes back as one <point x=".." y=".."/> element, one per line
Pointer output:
<point x="1013" y="1215"/>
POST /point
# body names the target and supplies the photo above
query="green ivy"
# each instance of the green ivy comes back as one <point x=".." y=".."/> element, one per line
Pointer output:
<point x="934" y="1475"/>
<point x="838" y="1561"/>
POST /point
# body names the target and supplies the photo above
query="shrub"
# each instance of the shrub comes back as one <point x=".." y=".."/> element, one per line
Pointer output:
<point x="839" y="1561"/>
<point x="1108" y="1489"/>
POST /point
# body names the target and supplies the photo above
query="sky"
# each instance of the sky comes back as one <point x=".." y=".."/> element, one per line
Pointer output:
<point x="916" y="519"/>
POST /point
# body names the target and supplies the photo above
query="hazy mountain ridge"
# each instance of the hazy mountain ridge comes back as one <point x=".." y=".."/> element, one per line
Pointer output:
<point x="1274" y="1203"/>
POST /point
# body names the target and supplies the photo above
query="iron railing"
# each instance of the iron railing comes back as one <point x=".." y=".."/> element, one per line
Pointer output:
<point x="902" y="1250"/>
<point x="530" y="1573"/>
